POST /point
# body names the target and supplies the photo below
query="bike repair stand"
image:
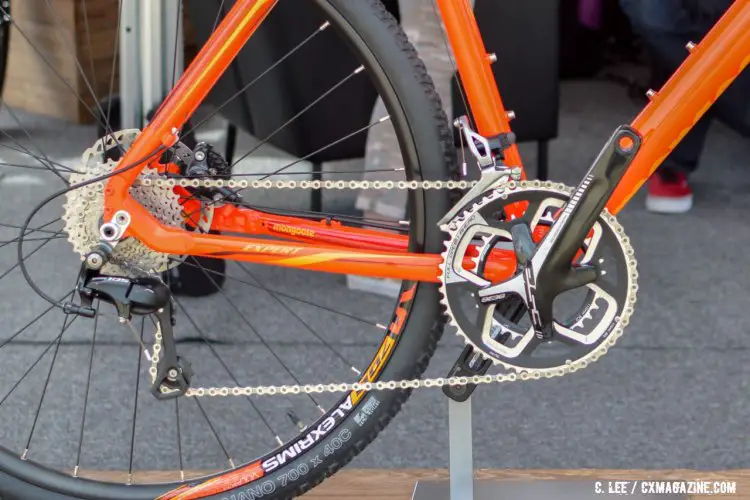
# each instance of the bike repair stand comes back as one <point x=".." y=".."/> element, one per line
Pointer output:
<point x="460" y="435"/>
<point x="463" y="486"/>
<point x="149" y="59"/>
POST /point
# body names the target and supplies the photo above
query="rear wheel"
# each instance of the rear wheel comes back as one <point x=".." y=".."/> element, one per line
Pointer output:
<point x="81" y="388"/>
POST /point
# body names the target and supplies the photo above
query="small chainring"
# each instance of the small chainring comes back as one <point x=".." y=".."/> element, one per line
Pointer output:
<point x="84" y="210"/>
<point x="585" y="318"/>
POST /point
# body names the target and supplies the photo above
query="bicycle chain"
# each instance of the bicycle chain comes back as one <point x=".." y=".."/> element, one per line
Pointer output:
<point x="517" y="374"/>
<point x="161" y="182"/>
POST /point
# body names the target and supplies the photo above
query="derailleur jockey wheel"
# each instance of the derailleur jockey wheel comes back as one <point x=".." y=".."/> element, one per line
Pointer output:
<point x="587" y="319"/>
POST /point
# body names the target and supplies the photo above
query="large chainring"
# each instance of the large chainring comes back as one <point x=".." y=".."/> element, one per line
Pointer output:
<point x="588" y="320"/>
<point x="84" y="209"/>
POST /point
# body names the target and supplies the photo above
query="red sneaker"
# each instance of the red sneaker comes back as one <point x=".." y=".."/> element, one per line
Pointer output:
<point x="669" y="193"/>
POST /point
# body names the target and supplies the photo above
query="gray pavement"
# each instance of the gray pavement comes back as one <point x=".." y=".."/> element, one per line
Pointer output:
<point x="670" y="395"/>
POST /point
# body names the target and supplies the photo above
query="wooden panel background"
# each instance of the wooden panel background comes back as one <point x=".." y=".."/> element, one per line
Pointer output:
<point x="399" y="485"/>
<point x="59" y="35"/>
<point x="43" y="74"/>
<point x="377" y="484"/>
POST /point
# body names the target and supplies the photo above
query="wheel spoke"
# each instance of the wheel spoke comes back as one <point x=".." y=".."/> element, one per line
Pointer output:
<point x="260" y="76"/>
<point x="330" y="145"/>
<point x="219" y="13"/>
<point x="48" y="238"/>
<point x="285" y="295"/>
<point x="46" y="164"/>
<point x="49" y="65"/>
<point x="304" y="110"/>
<point x="254" y="330"/>
<point x="86" y="393"/>
<point x="56" y="343"/>
<point x="226" y="368"/>
<point x="135" y="404"/>
<point x="105" y="116"/>
<point x="28" y="255"/>
<point x="108" y="126"/>
<point x="87" y="27"/>
<point x="36" y="362"/>
<point x="82" y="73"/>
<point x="179" y="438"/>
<point x="36" y="167"/>
<point x="213" y="431"/>
<point x="288" y="309"/>
<point x="25" y="151"/>
<point x="55" y="234"/>
<point x="39" y="229"/>
<point x="44" y="160"/>
<point x="37" y="318"/>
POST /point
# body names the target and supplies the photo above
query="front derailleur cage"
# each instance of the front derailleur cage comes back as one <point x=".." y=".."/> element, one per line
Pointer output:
<point x="489" y="154"/>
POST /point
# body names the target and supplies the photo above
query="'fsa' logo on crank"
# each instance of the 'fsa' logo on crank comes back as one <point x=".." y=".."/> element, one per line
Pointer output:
<point x="312" y="437"/>
<point x="492" y="298"/>
<point x="530" y="284"/>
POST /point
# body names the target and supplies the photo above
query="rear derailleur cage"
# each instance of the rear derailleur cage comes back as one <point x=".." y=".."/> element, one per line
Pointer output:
<point x="142" y="296"/>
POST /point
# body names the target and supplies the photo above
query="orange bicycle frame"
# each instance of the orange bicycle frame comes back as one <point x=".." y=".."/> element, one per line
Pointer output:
<point x="320" y="246"/>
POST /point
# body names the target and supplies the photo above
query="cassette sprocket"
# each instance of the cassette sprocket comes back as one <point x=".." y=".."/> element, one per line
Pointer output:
<point x="84" y="208"/>
<point x="588" y="320"/>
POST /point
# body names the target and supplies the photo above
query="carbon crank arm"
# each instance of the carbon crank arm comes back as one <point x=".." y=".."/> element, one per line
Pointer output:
<point x="589" y="199"/>
<point x="468" y="364"/>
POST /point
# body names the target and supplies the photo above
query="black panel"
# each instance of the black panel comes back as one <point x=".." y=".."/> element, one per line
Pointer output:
<point x="525" y="36"/>
<point x="297" y="82"/>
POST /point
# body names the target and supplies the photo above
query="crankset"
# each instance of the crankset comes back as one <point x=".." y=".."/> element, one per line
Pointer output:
<point x="575" y="282"/>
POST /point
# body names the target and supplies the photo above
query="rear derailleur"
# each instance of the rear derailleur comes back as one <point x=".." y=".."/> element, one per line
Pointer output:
<point x="140" y="296"/>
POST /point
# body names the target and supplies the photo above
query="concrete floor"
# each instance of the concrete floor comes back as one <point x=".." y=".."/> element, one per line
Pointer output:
<point x="670" y="395"/>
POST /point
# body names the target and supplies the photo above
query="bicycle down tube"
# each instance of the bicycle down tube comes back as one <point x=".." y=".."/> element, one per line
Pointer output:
<point x="675" y="109"/>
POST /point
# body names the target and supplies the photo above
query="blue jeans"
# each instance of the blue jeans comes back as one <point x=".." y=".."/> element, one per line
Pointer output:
<point x="666" y="26"/>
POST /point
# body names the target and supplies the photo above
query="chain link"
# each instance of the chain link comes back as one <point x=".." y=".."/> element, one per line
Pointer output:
<point x="162" y="182"/>
<point x="153" y="370"/>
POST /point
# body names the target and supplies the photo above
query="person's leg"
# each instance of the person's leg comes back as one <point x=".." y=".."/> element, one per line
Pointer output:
<point x="733" y="107"/>
<point x="665" y="26"/>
